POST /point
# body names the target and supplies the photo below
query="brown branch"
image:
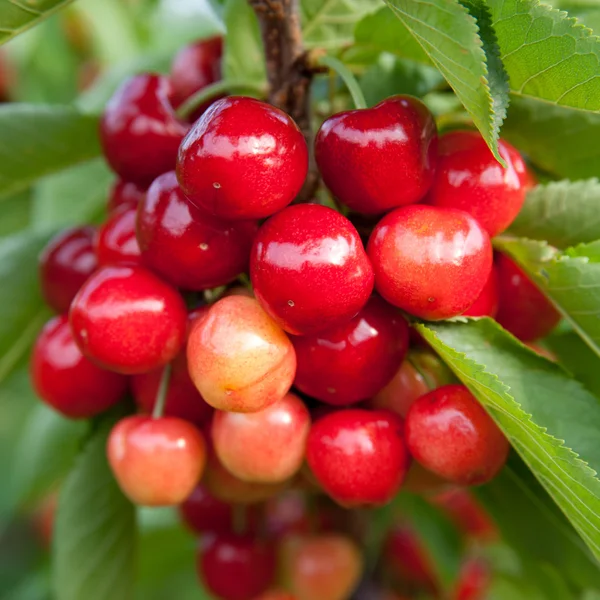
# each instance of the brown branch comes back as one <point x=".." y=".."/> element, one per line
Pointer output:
<point x="288" y="71"/>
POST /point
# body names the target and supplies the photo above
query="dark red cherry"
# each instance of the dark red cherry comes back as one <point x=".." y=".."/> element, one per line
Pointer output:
<point x="487" y="302"/>
<point x="125" y="193"/>
<point x="235" y="567"/>
<point x="65" y="263"/>
<point x="309" y="269"/>
<point x="68" y="381"/>
<point x="139" y="130"/>
<point x="379" y="158"/>
<point x="451" y="434"/>
<point x="128" y="320"/>
<point x="203" y="513"/>
<point x="116" y="242"/>
<point x="353" y="361"/>
<point x="523" y="308"/>
<point x="243" y="159"/>
<point x="358" y="456"/>
<point x="468" y="177"/>
<point x="186" y="246"/>
<point x="431" y="262"/>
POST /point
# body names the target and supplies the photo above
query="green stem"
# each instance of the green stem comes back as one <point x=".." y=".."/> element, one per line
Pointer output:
<point x="161" y="395"/>
<point x="347" y="77"/>
<point x="213" y="91"/>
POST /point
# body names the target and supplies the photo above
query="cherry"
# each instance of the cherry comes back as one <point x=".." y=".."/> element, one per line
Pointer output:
<point x="239" y="359"/>
<point x="523" y="310"/>
<point x="186" y="246"/>
<point x="379" y="158"/>
<point x="139" y="130"/>
<point x="431" y="262"/>
<point x="236" y="567"/>
<point x="65" y="263"/>
<point x="265" y="446"/>
<point x="126" y="319"/>
<point x="468" y="177"/>
<point x="125" y="193"/>
<point x="309" y="269"/>
<point x="474" y="580"/>
<point x="358" y="456"/>
<point x="321" y="567"/>
<point x="68" y="381"/>
<point x="354" y="361"/>
<point x="487" y="302"/>
<point x="288" y="513"/>
<point x="276" y="594"/>
<point x="243" y="159"/>
<point x="116" y="242"/>
<point x="451" y="434"/>
<point x="157" y="462"/>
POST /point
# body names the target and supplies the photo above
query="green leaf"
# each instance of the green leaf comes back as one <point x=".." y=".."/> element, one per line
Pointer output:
<point x="95" y="531"/>
<point x="563" y="213"/>
<point x="37" y="140"/>
<point x="550" y="419"/>
<point x="571" y="279"/>
<point x="16" y="212"/>
<point x="466" y="55"/>
<point x="17" y="16"/>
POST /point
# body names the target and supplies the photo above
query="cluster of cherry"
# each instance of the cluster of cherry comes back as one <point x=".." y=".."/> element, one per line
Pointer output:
<point x="149" y="302"/>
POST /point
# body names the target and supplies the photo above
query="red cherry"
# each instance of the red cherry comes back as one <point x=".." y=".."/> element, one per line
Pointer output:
<point x="125" y="193"/>
<point x="203" y="513"/>
<point x="468" y="177"/>
<point x="116" y="242"/>
<point x="68" y="381"/>
<point x="451" y="434"/>
<point x="157" y="462"/>
<point x="354" y="361"/>
<point x="287" y="514"/>
<point x="235" y="567"/>
<point x="243" y="159"/>
<point x="276" y="594"/>
<point x="264" y="446"/>
<point x="239" y="359"/>
<point x="523" y="310"/>
<point x="186" y="246"/>
<point x="126" y="319"/>
<point x="379" y="158"/>
<point x="358" y="456"/>
<point x="65" y="263"/>
<point x="487" y="302"/>
<point x="474" y="581"/>
<point x="431" y="262"/>
<point x="139" y="130"/>
<point x="309" y="269"/>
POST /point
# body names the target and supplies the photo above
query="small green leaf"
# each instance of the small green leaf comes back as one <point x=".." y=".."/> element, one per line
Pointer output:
<point x="563" y="213"/>
<point x="95" y="534"/>
<point x="16" y="213"/>
<point x="550" y="419"/>
<point x="37" y="140"/>
<point x="16" y="16"/>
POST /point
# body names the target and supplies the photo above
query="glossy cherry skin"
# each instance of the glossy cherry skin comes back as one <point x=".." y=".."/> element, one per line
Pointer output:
<point x="239" y="358"/>
<point x="236" y="567"/>
<point x="265" y="446"/>
<point x="488" y="300"/>
<point x="243" y="159"/>
<point x="309" y="269"/>
<point x="139" y="131"/>
<point x="523" y="310"/>
<point x="468" y="177"/>
<point x="65" y="263"/>
<point x="354" y="361"/>
<point x="115" y="242"/>
<point x="68" y="381"/>
<point x="125" y="193"/>
<point x="358" y="456"/>
<point x="126" y="319"/>
<point x="451" y="434"/>
<point x="157" y="462"/>
<point x="431" y="262"/>
<point x="186" y="246"/>
<point x="379" y="158"/>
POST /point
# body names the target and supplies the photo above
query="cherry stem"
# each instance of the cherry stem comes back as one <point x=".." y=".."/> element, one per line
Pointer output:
<point x="161" y="394"/>
<point x="213" y="91"/>
<point x="347" y="77"/>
